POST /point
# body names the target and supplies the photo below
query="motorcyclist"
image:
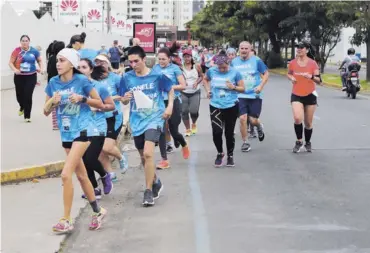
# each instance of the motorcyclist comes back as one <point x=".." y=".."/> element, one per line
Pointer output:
<point x="349" y="59"/>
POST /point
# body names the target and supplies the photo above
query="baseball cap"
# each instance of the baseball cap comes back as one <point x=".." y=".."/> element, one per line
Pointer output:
<point x="103" y="58"/>
<point x="71" y="55"/>
<point x="187" y="52"/>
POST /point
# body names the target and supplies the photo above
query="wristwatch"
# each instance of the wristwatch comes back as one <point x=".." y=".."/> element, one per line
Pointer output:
<point x="84" y="99"/>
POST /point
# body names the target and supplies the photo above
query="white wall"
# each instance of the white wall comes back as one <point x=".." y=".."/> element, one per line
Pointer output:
<point x="42" y="32"/>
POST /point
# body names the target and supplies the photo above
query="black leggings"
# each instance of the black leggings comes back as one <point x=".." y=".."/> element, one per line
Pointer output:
<point x="173" y="125"/>
<point x="224" y="119"/>
<point x="24" y="87"/>
<point x="91" y="161"/>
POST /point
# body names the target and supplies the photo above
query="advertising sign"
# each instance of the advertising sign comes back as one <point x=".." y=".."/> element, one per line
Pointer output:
<point x="145" y="32"/>
<point x="94" y="16"/>
<point x="69" y="12"/>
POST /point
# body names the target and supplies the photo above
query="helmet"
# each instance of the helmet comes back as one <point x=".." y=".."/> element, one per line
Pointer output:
<point x="351" y="51"/>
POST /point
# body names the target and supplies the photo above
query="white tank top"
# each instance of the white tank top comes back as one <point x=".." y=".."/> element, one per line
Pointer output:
<point x="191" y="77"/>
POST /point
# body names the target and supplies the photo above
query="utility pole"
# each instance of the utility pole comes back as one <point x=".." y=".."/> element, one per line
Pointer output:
<point x="109" y="16"/>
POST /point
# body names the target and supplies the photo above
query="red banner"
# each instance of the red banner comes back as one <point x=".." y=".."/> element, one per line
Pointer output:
<point x="145" y="32"/>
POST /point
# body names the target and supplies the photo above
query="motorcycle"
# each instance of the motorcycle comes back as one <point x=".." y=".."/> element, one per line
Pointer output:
<point x="352" y="79"/>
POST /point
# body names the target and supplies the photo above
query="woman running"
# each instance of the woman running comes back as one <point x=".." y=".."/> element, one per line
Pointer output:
<point x="77" y="42"/>
<point x="91" y="156"/>
<point x="23" y="64"/>
<point x="114" y="118"/>
<point x="174" y="73"/>
<point x="222" y="84"/>
<point x="72" y="94"/>
<point x="231" y="53"/>
<point x="304" y="73"/>
<point x="191" y="95"/>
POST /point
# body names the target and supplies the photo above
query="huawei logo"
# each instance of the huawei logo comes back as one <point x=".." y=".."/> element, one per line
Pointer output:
<point x="94" y="14"/>
<point x="69" y="4"/>
<point x="120" y="23"/>
<point x="112" y="20"/>
<point x="147" y="32"/>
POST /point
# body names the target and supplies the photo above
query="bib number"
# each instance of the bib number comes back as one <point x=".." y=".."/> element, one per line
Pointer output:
<point x="66" y="123"/>
<point x="222" y="94"/>
<point x="25" y="67"/>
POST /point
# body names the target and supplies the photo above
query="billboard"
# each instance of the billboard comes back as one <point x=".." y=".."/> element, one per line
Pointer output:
<point x="145" y="32"/>
<point x="94" y="16"/>
<point x="69" y="11"/>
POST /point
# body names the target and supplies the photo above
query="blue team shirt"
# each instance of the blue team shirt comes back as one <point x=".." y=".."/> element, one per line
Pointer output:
<point x="222" y="97"/>
<point x="115" y="55"/>
<point x="152" y="85"/>
<point x="88" y="53"/>
<point x="99" y="116"/>
<point x="172" y="71"/>
<point x="251" y="70"/>
<point x="73" y="118"/>
<point x="25" y="61"/>
<point x="112" y="83"/>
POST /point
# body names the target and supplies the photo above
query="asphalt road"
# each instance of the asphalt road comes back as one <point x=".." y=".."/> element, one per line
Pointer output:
<point x="331" y="69"/>
<point x="273" y="201"/>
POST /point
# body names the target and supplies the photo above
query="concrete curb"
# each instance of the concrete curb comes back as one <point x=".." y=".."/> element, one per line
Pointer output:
<point x="325" y="84"/>
<point x="24" y="174"/>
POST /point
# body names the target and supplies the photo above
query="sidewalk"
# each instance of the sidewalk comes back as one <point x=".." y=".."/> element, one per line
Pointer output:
<point x="31" y="209"/>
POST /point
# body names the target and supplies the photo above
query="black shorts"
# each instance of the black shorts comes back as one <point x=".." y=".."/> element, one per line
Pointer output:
<point x="151" y="135"/>
<point x="306" y="100"/>
<point x="250" y="106"/>
<point x="204" y="68"/>
<point x="115" y="65"/>
<point x="111" y="132"/>
<point x="82" y="138"/>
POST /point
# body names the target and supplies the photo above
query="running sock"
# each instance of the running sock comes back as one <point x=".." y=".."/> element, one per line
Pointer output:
<point x="156" y="179"/>
<point x="298" y="131"/>
<point x="95" y="207"/>
<point x="308" y="134"/>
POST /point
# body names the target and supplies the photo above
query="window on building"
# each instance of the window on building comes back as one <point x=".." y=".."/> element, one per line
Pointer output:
<point x="155" y="9"/>
<point x="155" y="2"/>
<point x="137" y="17"/>
<point x="137" y="2"/>
<point x="154" y="16"/>
<point x="137" y="9"/>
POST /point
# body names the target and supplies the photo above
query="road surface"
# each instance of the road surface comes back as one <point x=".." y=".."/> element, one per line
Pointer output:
<point x="273" y="201"/>
<point x="333" y="69"/>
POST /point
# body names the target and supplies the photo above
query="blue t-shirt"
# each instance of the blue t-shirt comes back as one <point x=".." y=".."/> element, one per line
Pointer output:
<point x="152" y="85"/>
<point x="88" y="53"/>
<point x="222" y="97"/>
<point x="103" y="51"/>
<point x="251" y="70"/>
<point x="209" y="56"/>
<point x="73" y="118"/>
<point x="25" y="61"/>
<point x="112" y="83"/>
<point x="115" y="56"/>
<point x="99" y="116"/>
<point x="172" y="71"/>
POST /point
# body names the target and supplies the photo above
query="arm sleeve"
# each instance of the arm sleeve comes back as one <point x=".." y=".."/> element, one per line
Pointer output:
<point x="48" y="89"/>
<point x="37" y="54"/>
<point x="165" y="84"/>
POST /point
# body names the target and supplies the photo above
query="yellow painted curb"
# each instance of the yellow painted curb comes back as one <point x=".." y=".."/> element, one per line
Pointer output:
<point x="24" y="174"/>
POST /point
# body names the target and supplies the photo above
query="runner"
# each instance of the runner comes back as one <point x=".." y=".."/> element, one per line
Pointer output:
<point x="23" y="63"/>
<point x="77" y="42"/>
<point x="231" y="53"/>
<point x="191" y="95"/>
<point x="250" y="101"/>
<point x="73" y="94"/>
<point x="251" y="129"/>
<point x="114" y="118"/>
<point x="146" y="122"/>
<point x="174" y="73"/>
<point x="222" y="84"/>
<point x="304" y="73"/>
<point x="91" y="156"/>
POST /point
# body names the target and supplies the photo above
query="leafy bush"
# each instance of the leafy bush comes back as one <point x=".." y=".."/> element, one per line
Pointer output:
<point x="274" y="60"/>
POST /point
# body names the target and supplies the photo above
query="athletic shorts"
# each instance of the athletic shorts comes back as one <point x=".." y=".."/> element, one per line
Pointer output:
<point x="250" y="106"/>
<point x="111" y="133"/>
<point x="151" y="135"/>
<point x="82" y="138"/>
<point x="305" y="100"/>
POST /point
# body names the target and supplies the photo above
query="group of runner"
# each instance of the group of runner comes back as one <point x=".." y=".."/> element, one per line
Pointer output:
<point x="86" y="96"/>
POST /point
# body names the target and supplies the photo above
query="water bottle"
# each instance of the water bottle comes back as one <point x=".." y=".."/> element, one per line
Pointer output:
<point x="124" y="163"/>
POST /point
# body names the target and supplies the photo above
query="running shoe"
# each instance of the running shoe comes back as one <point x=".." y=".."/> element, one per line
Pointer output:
<point x="97" y="194"/>
<point x="113" y="176"/>
<point x="194" y="129"/>
<point x="188" y="132"/>
<point x="246" y="147"/>
<point x="186" y="152"/>
<point x="230" y="162"/>
<point x="27" y="120"/>
<point x="123" y="163"/>
<point x="157" y="189"/>
<point x="164" y="164"/>
<point x="63" y="226"/>
<point x="107" y="184"/>
<point x="219" y="158"/>
<point x="97" y="218"/>
<point x="148" y="198"/>
<point x="261" y="133"/>
<point x="308" y="147"/>
<point x="169" y="149"/>
<point x="252" y="133"/>
<point x="20" y="112"/>
<point x="297" y="147"/>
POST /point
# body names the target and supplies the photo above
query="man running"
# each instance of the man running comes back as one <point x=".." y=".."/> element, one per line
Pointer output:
<point x="250" y="102"/>
<point x="143" y="88"/>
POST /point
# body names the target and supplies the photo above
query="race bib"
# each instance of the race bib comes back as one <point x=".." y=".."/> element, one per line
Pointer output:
<point x="66" y="123"/>
<point x="25" y="67"/>
<point x="222" y="93"/>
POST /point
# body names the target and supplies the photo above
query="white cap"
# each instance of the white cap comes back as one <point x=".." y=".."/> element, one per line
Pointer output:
<point x="71" y="55"/>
